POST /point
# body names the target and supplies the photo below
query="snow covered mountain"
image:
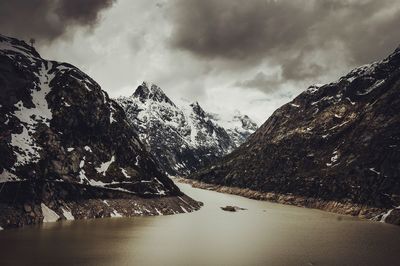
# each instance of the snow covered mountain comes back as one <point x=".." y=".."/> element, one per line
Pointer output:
<point x="239" y="127"/>
<point x="182" y="138"/>
<point x="66" y="147"/>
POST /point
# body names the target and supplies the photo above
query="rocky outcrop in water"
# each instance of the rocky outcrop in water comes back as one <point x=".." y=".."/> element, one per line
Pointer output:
<point x="65" y="146"/>
<point x="229" y="208"/>
<point x="338" y="142"/>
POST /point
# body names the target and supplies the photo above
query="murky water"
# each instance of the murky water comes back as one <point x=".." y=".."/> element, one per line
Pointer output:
<point x="265" y="234"/>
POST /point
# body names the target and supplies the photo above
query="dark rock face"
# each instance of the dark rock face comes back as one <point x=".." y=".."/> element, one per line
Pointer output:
<point x="339" y="142"/>
<point x="181" y="138"/>
<point x="232" y="208"/>
<point x="228" y="209"/>
<point x="57" y="126"/>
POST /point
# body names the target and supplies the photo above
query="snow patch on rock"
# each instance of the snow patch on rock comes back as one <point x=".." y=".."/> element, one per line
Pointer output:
<point x="7" y="176"/>
<point x="49" y="215"/>
<point x="125" y="173"/>
<point x="115" y="214"/>
<point x="104" y="166"/>
<point x="68" y="214"/>
<point x="24" y="145"/>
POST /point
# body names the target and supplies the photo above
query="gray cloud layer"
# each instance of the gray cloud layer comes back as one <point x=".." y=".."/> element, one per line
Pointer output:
<point x="260" y="80"/>
<point x="47" y="20"/>
<point x="302" y="37"/>
<point x="255" y="55"/>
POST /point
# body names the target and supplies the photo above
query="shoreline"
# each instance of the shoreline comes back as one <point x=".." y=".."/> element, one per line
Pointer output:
<point x="343" y="208"/>
<point x="20" y="215"/>
<point x="60" y="205"/>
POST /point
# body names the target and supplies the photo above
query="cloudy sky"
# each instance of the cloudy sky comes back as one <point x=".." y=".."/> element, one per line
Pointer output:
<point x="249" y="55"/>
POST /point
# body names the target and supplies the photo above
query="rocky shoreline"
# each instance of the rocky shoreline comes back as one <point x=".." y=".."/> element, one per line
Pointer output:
<point x="93" y="203"/>
<point x="334" y="147"/>
<point x="345" y="208"/>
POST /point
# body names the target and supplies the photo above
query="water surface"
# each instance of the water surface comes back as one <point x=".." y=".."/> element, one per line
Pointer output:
<point x="265" y="234"/>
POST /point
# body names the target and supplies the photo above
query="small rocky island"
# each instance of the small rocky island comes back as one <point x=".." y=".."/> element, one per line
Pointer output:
<point x="232" y="208"/>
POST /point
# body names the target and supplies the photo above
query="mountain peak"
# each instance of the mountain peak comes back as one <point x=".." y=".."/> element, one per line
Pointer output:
<point x="197" y="109"/>
<point x="12" y="45"/>
<point x="151" y="91"/>
<point x="246" y="122"/>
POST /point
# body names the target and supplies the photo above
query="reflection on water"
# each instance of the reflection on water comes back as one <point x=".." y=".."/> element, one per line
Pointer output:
<point x="265" y="234"/>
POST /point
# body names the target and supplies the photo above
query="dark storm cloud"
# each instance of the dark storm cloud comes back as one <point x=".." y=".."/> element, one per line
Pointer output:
<point x="302" y="37"/>
<point x="47" y="20"/>
<point x="82" y="12"/>
<point x="237" y="29"/>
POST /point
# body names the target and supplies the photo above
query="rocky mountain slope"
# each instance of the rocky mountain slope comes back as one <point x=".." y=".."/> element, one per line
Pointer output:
<point x="67" y="150"/>
<point x="182" y="138"/>
<point x="338" y="143"/>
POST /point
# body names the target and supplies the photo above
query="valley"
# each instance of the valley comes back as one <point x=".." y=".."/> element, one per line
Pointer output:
<point x="200" y="132"/>
<point x="277" y="234"/>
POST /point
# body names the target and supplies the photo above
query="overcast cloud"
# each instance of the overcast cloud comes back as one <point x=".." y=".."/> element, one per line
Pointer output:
<point x="252" y="55"/>
<point x="48" y="20"/>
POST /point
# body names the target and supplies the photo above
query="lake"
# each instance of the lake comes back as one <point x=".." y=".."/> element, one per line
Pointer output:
<point x="264" y="234"/>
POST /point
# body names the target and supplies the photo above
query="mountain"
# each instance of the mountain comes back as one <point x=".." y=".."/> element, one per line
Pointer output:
<point x="239" y="127"/>
<point x="67" y="151"/>
<point x="182" y="138"/>
<point x="335" y="146"/>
